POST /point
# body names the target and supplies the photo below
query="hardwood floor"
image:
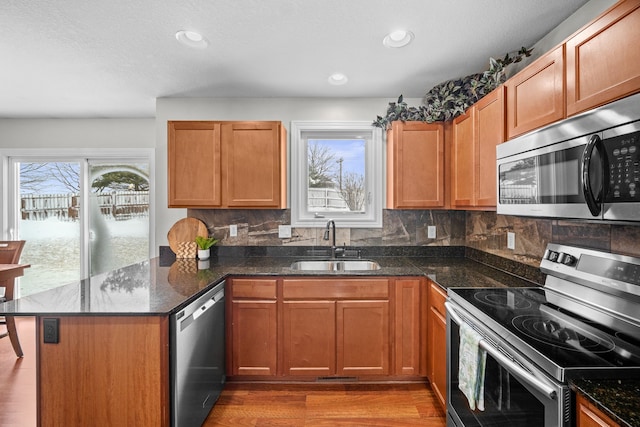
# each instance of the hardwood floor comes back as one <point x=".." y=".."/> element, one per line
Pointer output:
<point x="327" y="404"/>
<point x="389" y="405"/>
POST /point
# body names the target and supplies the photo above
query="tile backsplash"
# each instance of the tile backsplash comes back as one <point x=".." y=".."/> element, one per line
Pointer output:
<point x="483" y="231"/>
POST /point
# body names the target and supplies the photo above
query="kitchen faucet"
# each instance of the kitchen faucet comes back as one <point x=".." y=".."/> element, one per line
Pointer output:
<point x="335" y="251"/>
<point x="331" y="226"/>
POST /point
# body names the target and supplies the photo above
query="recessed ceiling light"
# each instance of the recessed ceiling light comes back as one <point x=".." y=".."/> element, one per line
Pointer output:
<point x="192" y="39"/>
<point x="399" y="38"/>
<point x="338" y="79"/>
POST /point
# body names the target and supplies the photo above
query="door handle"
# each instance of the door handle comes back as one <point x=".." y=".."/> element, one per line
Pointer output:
<point x="594" y="201"/>
<point x="203" y="308"/>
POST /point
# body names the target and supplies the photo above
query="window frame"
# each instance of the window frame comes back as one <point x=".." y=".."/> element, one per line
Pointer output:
<point x="374" y="173"/>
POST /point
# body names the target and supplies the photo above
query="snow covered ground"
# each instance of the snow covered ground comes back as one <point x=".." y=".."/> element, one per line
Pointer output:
<point x="53" y="250"/>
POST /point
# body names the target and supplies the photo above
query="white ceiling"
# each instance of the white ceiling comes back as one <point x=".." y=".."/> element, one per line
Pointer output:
<point x="89" y="58"/>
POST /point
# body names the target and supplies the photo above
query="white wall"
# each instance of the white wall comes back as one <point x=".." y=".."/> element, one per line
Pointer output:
<point x="280" y="109"/>
<point x="77" y="133"/>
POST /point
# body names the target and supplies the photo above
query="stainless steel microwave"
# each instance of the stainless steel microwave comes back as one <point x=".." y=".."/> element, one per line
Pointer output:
<point x="586" y="167"/>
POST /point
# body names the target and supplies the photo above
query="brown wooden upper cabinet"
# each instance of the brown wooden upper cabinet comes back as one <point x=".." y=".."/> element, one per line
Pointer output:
<point x="535" y="96"/>
<point x="415" y="165"/>
<point x="473" y="152"/>
<point x="227" y="164"/>
<point x="194" y="164"/>
<point x="602" y="59"/>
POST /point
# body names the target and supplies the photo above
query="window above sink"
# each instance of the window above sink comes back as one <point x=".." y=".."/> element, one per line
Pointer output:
<point x="336" y="173"/>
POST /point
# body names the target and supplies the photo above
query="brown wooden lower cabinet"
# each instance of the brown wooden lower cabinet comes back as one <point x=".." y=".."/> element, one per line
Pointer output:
<point x="111" y="371"/>
<point x="407" y="326"/>
<point x="437" y="338"/>
<point x="254" y="337"/>
<point x="251" y="327"/>
<point x="309" y="327"/>
<point x="587" y="415"/>
<point x="309" y="338"/>
<point x="362" y="337"/>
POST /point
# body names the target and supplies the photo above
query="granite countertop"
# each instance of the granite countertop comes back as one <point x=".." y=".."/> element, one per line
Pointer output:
<point x="619" y="399"/>
<point x="161" y="287"/>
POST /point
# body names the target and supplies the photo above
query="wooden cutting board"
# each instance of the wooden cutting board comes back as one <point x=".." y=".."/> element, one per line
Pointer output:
<point x="186" y="230"/>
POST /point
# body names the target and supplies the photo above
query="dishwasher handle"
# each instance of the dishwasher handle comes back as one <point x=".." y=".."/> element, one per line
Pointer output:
<point x="208" y="304"/>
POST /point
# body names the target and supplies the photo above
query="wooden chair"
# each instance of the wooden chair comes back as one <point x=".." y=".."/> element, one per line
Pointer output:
<point x="10" y="252"/>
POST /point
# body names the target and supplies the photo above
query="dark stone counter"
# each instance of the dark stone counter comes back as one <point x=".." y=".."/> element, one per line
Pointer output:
<point x="619" y="399"/>
<point x="163" y="285"/>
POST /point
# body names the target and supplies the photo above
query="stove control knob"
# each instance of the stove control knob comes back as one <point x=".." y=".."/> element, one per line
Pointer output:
<point x="566" y="259"/>
<point x="551" y="256"/>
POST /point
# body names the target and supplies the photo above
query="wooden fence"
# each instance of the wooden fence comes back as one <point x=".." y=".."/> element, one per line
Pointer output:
<point x="119" y="204"/>
<point x="327" y="198"/>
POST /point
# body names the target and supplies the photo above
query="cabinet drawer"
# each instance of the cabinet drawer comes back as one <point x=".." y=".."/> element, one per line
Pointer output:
<point x="437" y="297"/>
<point x="330" y="288"/>
<point x="253" y="288"/>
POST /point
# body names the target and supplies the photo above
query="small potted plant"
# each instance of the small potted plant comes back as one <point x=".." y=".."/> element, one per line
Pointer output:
<point x="204" y="246"/>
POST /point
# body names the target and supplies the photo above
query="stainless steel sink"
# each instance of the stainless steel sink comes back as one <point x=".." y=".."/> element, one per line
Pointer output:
<point x="335" y="265"/>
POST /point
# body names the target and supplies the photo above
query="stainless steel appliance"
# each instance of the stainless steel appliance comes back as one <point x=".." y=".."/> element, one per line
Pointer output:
<point x="583" y="323"/>
<point x="587" y="166"/>
<point x="197" y="358"/>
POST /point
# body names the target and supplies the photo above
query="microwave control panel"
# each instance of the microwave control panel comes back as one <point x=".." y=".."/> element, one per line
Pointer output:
<point x="623" y="158"/>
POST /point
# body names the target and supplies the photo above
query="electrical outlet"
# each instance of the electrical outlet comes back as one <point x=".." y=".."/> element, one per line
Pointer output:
<point x="50" y="335"/>
<point x="284" y="231"/>
<point x="511" y="240"/>
<point x="431" y="232"/>
<point x="233" y="230"/>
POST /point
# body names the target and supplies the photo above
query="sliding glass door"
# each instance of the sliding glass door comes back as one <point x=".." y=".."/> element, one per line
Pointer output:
<point x="79" y="217"/>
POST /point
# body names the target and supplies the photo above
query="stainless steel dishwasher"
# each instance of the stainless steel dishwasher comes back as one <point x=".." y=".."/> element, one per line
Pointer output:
<point x="197" y="358"/>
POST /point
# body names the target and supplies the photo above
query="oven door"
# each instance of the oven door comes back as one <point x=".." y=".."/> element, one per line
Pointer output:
<point x="549" y="181"/>
<point x="514" y="393"/>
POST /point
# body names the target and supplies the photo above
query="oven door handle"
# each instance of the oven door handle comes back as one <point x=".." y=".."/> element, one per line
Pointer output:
<point x="536" y="382"/>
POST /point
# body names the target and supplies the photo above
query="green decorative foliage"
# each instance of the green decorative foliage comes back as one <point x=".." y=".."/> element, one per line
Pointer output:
<point x="451" y="98"/>
<point x="205" y="242"/>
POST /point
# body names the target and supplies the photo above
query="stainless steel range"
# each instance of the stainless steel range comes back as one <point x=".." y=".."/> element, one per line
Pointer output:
<point x="584" y="323"/>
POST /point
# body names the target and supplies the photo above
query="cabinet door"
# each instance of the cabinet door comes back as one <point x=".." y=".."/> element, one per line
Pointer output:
<point x="362" y="338"/>
<point x="254" y="349"/>
<point x="590" y="416"/>
<point x="254" y="164"/>
<point x="309" y="337"/>
<point x="489" y="132"/>
<point x="437" y="343"/>
<point x="415" y="165"/>
<point x="535" y="96"/>
<point x="603" y="58"/>
<point x="194" y="164"/>
<point x="463" y="159"/>
<point x="407" y="327"/>
<point x="111" y="371"/>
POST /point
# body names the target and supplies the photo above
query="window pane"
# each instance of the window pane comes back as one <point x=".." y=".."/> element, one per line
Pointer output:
<point x="119" y="215"/>
<point x="49" y="223"/>
<point x="336" y="175"/>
